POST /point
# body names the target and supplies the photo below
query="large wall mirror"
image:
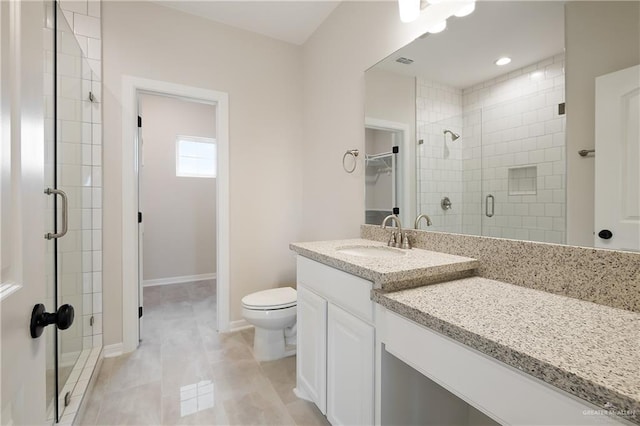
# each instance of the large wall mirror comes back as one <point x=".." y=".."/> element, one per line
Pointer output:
<point x="542" y="148"/>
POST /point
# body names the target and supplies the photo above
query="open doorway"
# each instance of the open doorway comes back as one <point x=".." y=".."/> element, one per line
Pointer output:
<point x="177" y="175"/>
<point x="132" y="89"/>
<point x="389" y="173"/>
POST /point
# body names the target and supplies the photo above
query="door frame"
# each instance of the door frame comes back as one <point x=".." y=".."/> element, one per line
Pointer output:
<point x="131" y="88"/>
<point x="407" y="181"/>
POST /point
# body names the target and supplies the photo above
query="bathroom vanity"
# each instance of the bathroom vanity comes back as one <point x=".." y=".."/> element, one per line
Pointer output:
<point x="335" y="364"/>
<point x="414" y="336"/>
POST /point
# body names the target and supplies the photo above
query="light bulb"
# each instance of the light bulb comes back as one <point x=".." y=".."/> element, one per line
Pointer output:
<point x="503" y="61"/>
<point x="437" y="27"/>
<point x="409" y="10"/>
<point x="466" y="9"/>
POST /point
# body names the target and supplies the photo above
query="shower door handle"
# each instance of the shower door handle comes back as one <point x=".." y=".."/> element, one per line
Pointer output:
<point x="65" y="213"/>
<point x="486" y="205"/>
<point x="63" y="319"/>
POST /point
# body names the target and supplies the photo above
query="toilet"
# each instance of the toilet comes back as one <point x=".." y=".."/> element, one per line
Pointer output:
<point x="273" y="314"/>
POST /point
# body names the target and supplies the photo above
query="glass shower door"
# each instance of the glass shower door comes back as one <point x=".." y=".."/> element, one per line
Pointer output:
<point x="69" y="171"/>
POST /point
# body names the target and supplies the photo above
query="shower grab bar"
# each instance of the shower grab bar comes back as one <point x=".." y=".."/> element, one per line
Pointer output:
<point x="65" y="213"/>
<point x="585" y="152"/>
<point x="493" y="205"/>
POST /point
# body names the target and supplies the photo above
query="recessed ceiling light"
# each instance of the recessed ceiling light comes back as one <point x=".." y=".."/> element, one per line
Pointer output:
<point x="503" y="61"/>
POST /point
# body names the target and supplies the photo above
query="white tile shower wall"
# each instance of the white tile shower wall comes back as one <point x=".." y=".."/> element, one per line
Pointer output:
<point x="439" y="107"/>
<point x="521" y="126"/>
<point x="86" y="137"/>
<point x="510" y="121"/>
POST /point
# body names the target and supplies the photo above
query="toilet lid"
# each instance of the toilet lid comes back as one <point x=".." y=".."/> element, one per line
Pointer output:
<point x="275" y="298"/>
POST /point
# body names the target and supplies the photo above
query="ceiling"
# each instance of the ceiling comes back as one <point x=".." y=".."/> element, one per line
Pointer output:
<point x="464" y="54"/>
<point x="290" y="21"/>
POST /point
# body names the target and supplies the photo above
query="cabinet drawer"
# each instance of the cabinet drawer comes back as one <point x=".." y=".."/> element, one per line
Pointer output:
<point x="348" y="291"/>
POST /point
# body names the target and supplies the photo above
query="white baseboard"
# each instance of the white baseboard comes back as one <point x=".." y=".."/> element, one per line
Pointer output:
<point x="239" y="325"/>
<point x="178" y="280"/>
<point x="111" y="351"/>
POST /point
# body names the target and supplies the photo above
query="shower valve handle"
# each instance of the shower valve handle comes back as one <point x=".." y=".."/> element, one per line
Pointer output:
<point x="63" y="319"/>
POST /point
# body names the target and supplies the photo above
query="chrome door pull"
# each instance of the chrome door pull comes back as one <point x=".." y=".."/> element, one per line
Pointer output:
<point x="486" y="205"/>
<point x="65" y="215"/>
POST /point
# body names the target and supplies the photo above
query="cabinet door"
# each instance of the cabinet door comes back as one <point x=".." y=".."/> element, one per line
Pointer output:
<point x="350" y="365"/>
<point x="311" y="363"/>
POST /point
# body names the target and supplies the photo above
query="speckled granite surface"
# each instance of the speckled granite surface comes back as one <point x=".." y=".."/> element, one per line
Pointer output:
<point x="415" y="268"/>
<point x="589" y="350"/>
<point x="605" y="277"/>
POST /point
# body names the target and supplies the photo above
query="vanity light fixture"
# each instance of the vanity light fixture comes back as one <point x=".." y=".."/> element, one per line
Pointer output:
<point x="409" y="10"/>
<point x="437" y="27"/>
<point x="503" y="61"/>
<point x="466" y="9"/>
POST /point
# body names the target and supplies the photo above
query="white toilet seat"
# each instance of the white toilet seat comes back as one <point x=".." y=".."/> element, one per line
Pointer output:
<point x="272" y="299"/>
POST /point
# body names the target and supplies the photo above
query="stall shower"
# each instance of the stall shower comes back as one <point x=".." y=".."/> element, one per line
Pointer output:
<point x="501" y="162"/>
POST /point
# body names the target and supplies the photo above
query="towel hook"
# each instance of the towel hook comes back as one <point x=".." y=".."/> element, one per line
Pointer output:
<point x="354" y="153"/>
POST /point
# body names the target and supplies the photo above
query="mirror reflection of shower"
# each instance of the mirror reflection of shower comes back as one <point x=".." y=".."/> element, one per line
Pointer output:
<point x="454" y="135"/>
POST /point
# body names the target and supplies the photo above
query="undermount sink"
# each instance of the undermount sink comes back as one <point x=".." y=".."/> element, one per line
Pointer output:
<point x="370" y="251"/>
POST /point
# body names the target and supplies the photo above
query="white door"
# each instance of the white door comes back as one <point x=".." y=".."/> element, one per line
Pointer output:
<point x="22" y="370"/>
<point x="311" y="363"/>
<point x="350" y="369"/>
<point x="617" y="188"/>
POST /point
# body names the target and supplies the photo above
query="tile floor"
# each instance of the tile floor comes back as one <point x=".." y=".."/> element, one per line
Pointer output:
<point x="184" y="372"/>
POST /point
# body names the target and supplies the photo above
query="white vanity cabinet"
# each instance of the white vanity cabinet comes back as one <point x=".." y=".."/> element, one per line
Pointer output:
<point x="311" y="368"/>
<point x="336" y="341"/>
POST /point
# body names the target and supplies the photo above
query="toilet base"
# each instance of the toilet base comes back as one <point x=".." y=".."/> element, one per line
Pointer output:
<point x="269" y="345"/>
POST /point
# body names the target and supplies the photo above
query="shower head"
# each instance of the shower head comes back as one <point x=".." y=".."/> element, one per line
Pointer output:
<point x="454" y="135"/>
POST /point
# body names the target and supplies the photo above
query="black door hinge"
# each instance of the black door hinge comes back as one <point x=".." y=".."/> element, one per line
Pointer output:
<point x="396" y="149"/>
<point x="139" y="121"/>
<point x="140" y="309"/>
<point x="561" y="109"/>
<point x="139" y="217"/>
<point x="396" y="210"/>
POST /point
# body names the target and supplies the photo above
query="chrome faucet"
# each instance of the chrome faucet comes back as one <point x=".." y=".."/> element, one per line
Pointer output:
<point x="416" y="225"/>
<point x="402" y="241"/>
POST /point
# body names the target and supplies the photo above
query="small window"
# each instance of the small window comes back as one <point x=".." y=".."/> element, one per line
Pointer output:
<point x="196" y="157"/>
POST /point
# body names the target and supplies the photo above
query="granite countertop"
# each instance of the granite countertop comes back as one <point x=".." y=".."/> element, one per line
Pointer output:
<point x="415" y="268"/>
<point x="591" y="351"/>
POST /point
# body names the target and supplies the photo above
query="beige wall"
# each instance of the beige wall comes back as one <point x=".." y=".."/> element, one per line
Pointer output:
<point x="263" y="79"/>
<point x="354" y="37"/>
<point x="601" y="37"/>
<point x="179" y="212"/>
<point x="391" y="97"/>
